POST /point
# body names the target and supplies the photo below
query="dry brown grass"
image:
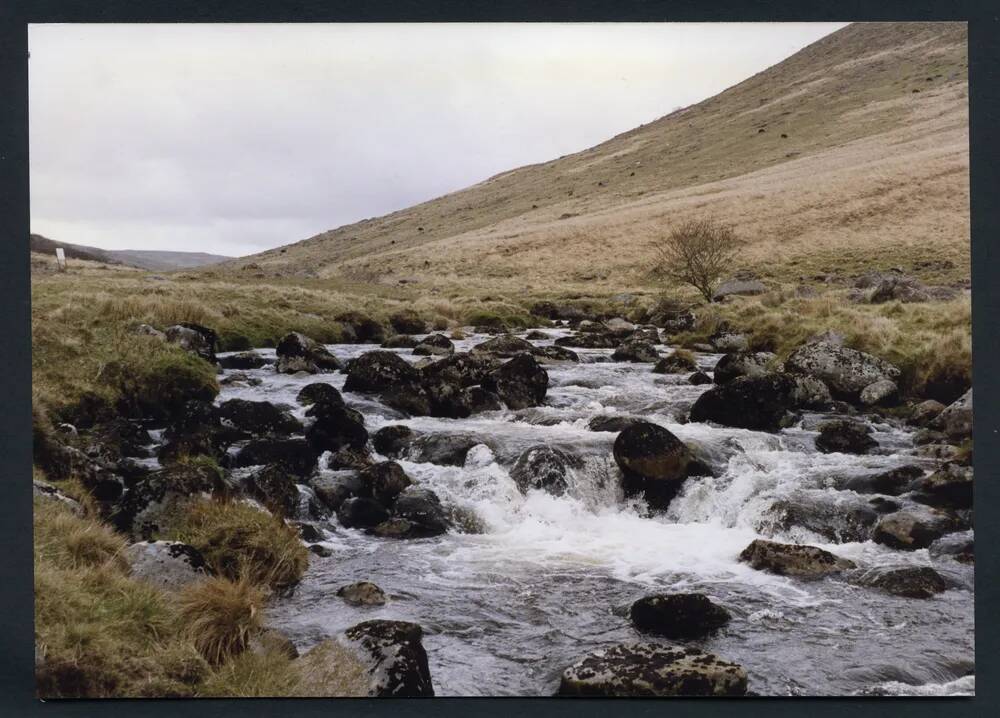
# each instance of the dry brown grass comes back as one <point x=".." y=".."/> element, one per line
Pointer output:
<point x="220" y="616"/>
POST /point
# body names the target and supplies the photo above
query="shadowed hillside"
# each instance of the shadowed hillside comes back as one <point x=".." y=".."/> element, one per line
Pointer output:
<point x="141" y="258"/>
<point x="852" y="152"/>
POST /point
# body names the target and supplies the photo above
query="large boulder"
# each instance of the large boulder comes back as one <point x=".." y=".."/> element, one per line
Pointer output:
<point x="635" y="351"/>
<point x="544" y="467"/>
<point x="442" y="449"/>
<point x="384" y="481"/>
<point x="883" y="392"/>
<point x="149" y="507"/>
<point x="733" y="366"/>
<point x="910" y="530"/>
<point x="844" y="436"/>
<point x="297" y="455"/>
<point x="335" y="427"/>
<point x="653" y="461"/>
<point x="899" y="288"/>
<point x="651" y="669"/>
<point x="243" y="360"/>
<point x="393" y="441"/>
<point x="275" y="487"/>
<point x="319" y="392"/>
<point x="504" y="345"/>
<point x="423" y="511"/>
<point x="792" y="559"/>
<point x="169" y="565"/>
<point x="904" y="581"/>
<point x="259" y="418"/>
<point x="334" y="489"/>
<point x="738" y="287"/>
<point x="956" y="419"/>
<point x="361" y="512"/>
<point x="297" y="352"/>
<point x="845" y="371"/>
<point x="619" y="327"/>
<point x="362" y="593"/>
<point x="748" y="402"/>
<point x="678" y="615"/>
<point x="521" y="382"/>
<point x="464" y="368"/>
<point x="891" y="482"/>
<point x="394" y="656"/>
<point x="376" y="371"/>
<point x="839" y="517"/>
<point x="434" y="345"/>
<point x="950" y="486"/>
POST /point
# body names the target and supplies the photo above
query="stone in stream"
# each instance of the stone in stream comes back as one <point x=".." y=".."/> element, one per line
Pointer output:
<point x="544" y="467"/>
<point x="434" y="345"/>
<point x="169" y="565"/>
<point x="536" y="335"/>
<point x="550" y="354"/>
<point x="319" y="392"/>
<point x="891" y="483"/>
<point x="883" y="392"/>
<point x="361" y="512"/>
<point x="442" y="449"/>
<point x="589" y="340"/>
<point x="904" y="581"/>
<point x="844" y="436"/>
<point x="699" y="378"/>
<point x="839" y="517"/>
<point x="737" y="364"/>
<point x="950" y="486"/>
<point x="959" y="546"/>
<point x="678" y="615"/>
<point x="335" y="427"/>
<point x="259" y="418"/>
<point x="400" y="341"/>
<point x="393" y="441"/>
<point x="679" y="362"/>
<point x="243" y="360"/>
<point x="297" y="352"/>
<point x="505" y="345"/>
<point x="635" y="351"/>
<point x="649" y="669"/>
<point x="384" y="481"/>
<point x="274" y="487"/>
<point x="653" y="461"/>
<point x="845" y="371"/>
<point x="793" y="559"/>
<point x="613" y="422"/>
<point x="926" y="412"/>
<point x="521" y="382"/>
<point x="362" y="593"/>
<point x="193" y="338"/>
<point x="334" y="490"/>
<point x="619" y="327"/>
<point x="378" y="370"/>
<point x="956" y="419"/>
<point x="422" y="510"/>
<point x="748" y="402"/>
<point x="394" y="656"/>
<point x="294" y="454"/>
<point x="913" y="529"/>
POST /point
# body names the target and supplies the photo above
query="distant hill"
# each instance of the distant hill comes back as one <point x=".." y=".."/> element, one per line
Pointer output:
<point x="143" y="259"/>
<point x="852" y="153"/>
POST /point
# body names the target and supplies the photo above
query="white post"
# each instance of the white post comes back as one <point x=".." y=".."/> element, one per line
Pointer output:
<point x="61" y="259"/>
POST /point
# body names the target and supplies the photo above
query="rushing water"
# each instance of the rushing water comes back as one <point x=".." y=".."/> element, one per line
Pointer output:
<point x="549" y="579"/>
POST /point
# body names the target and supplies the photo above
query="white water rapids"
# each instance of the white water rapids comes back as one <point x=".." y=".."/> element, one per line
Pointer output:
<point x="549" y="579"/>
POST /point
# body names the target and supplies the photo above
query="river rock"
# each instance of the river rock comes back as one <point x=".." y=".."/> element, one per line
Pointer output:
<point x="845" y="371"/>
<point x="949" y="486"/>
<point x="400" y="341"/>
<point x="956" y="419"/>
<point x="394" y="656"/>
<point x="544" y="467"/>
<point x="319" y="393"/>
<point x="699" y="378"/>
<point x="732" y="366"/>
<point x="297" y="455"/>
<point x="505" y="345"/>
<point x="959" y="546"/>
<point x="274" y="487"/>
<point x="464" y="369"/>
<point x="793" y="559"/>
<point x="378" y="370"/>
<point x="892" y="482"/>
<point x="679" y="362"/>
<point x="243" y="360"/>
<point x="904" y="581"/>
<point x="589" y="340"/>
<point x="883" y="392"/>
<point x="729" y="342"/>
<point x="926" y="412"/>
<point x="838" y="517"/>
<point x="259" y="418"/>
<point x="393" y="441"/>
<point x="422" y="508"/>
<point x="519" y="383"/>
<point x="613" y="422"/>
<point x="912" y="529"/>
<point x="333" y="489"/>
<point x="811" y="393"/>
<point x="434" y="345"/>
<point x="296" y="350"/>
<point x="147" y="508"/>
<point x="361" y="512"/>
<point x="169" y="565"/>
<point x="549" y="354"/>
<point x="442" y="449"/>
<point x="748" y="402"/>
<point x="844" y="436"/>
<point x="738" y="287"/>
<point x="653" y="461"/>
<point x="678" y="615"/>
<point x="336" y="426"/>
<point x="635" y="351"/>
<point x="384" y="481"/>
<point x="650" y="669"/>
<point x="362" y="593"/>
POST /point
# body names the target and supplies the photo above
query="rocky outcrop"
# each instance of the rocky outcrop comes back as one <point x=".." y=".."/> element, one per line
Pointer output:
<point x="845" y="371"/>
<point x="845" y="437"/>
<point x="519" y="383"/>
<point x="297" y="352"/>
<point x="793" y="559"/>
<point x="749" y="402"/>
<point x="653" y="461"/>
<point x="733" y="366"/>
<point x="544" y="467"/>
<point x="649" y="669"/>
<point x="362" y="593"/>
<point x="259" y="418"/>
<point x="394" y="656"/>
<point x="169" y="565"/>
<point x="378" y="370"/>
<point x="678" y="615"/>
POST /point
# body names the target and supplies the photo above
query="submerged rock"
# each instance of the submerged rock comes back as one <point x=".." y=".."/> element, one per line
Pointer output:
<point x="905" y="581"/>
<point x="394" y="656"/>
<point x="678" y="615"/>
<point x="792" y="559"/>
<point x="653" y="461"/>
<point x="362" y="593"/>
<point x="544" y="467"/>
<point x="650" y="669"/>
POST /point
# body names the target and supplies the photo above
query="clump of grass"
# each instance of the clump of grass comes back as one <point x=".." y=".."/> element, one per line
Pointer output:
<point x="252" y="674"/>
<point x="220" y="616"/>
<point x="72" y="542"/>
<point x="683" y="356"/>
<point x="239" y="541"/>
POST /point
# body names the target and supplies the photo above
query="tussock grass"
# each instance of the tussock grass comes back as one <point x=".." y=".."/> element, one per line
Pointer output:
<point x="220" y="616"/>
<point x="240" y="541"/>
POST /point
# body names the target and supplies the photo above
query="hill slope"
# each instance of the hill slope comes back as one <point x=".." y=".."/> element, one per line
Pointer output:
<point x="852" y="152"/>
<point x="140" y="258"/>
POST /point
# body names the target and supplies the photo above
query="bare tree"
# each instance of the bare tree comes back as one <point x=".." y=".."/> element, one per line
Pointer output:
<point x="698" y="252"/>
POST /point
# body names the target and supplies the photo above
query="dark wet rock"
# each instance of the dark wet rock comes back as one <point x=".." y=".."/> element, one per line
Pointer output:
<point x="591" y="327"/>
<point x="544" y="467"/>
<point x="434" y="345"/>
<point x="904" y="581"/>
<point x="635" y="351"/>
<point x="408" y="322"/>
<point x="346" y="458"/>
<point x="309" y="532"/>
<point x="334" y="489"/>
<point x="959" y="546"/>
<point x="296" y="455"/>
<point x="521" y="382"/>
<point x="811" y="393"/>
<point x="260" y="418"/>
<point x="200" y="343"/>
<point x="653" y="461"/>
<point x="169" y="565"/>
<point x="243" y="360"/>
<point x="362" y="593"/>
<point x="913" y="529"/>
<point x="378" y="370"/>
<point x="956" y="419"/>
<point x="335" y="427"/>
<point x="845" y="371"/>
<point x="505" y="345"/>
<point x="275" y="487"/>
<point x="537" y="335"/>
<point x="845" y="437"/>
<point x="882" y="505"/>
<point x="96" y="476"/>
<point x="792" y="559"/>
<point x="648" y="334"/>
<point x="589" y="340"/>
<point x="748" y="402"/>
<point x="678" y="615"/>
<point x="423" y="508"/>
<point x="118" y="438"/>
<point x="296" y="351"/>
<point x="950" y="486"/>
<point x="650" y="669"/>
<point x="384" y="481"/>
<point x="891" y="483"/>
<point x="361" y="512"/>
<point x="699" y="378"/>
<point x="926" y="412"/>
<point x="613" y="422"/>
<point x="395" y="658"/>
<point x="366" y="330"/>
<point x="548" y="354"/>
<point x="400" y="341"/>
<point x="883" y="392"/>
<point x="679" y="362"/>
<point x="738" y="287"/>
<point x="732" y="366"/>
<point x="838" y="518"/>
<point x="147" y="508"/>
<point x="464" y="369"/>
<point x="442" y="449"/>
<point x="319" y="393"/>
<point x="393" y="441"/>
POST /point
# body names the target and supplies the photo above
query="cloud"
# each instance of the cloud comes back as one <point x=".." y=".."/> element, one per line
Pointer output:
<point x="237" y="138"/>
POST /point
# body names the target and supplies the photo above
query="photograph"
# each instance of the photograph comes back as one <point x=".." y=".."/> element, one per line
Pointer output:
<point x="501" y="359"/>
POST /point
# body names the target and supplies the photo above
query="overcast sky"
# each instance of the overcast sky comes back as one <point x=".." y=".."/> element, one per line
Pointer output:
<point x="232" y="139"/>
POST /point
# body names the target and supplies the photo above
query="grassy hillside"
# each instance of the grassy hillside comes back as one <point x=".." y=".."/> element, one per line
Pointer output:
<point x="850" y="154"/>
